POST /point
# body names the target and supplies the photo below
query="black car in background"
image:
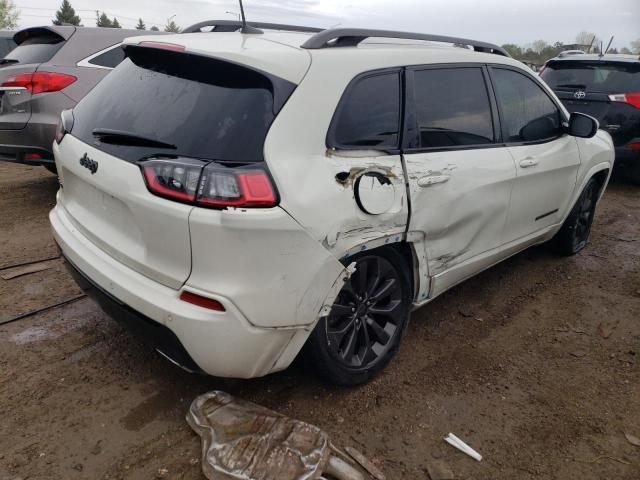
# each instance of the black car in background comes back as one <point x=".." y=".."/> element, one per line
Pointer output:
<point x="6" y="42"/>
<point x="606" y="87"/>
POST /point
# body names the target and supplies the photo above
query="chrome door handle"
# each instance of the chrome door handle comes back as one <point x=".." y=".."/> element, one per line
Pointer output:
<point x="529" y="162"/>
<point x="433" y="180"/>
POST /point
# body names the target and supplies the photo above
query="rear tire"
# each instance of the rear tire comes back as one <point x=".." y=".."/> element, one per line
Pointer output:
<point x="574" y="234"/>
<point x="363" y="330"/>
<point x="633" y="172"/>
<point x="51" y="167"/>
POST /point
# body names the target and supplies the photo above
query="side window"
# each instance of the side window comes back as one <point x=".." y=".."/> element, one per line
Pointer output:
<point x="110" y="59"/>
<point x="369" y="115"/>
<point x="528" y="114"/>
<point x="452" y="108"/>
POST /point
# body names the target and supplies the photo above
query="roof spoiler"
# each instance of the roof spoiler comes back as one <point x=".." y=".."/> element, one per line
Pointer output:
<point x="351" y="37"/>
<point x="234" y="26"/>
<point x="63" y="32"/>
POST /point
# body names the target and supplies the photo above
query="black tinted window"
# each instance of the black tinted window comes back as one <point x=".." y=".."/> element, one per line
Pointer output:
<point x="593" y="76"/>
<point x="110" y="58"/>
<point x="38" y="49"/>
<point x="452" y="108"/>
<point x="528" y="114"/>
<point x="369" y="115"/>
<point x="206" y="108"/>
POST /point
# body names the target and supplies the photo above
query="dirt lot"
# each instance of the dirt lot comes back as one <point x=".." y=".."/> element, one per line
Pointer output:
<point x="514" y="361"/>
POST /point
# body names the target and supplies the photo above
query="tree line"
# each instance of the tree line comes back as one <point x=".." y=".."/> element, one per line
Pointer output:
<point x="66" y="15"/>
<point x="540" y="51"/>
<point x="537" y="52"/>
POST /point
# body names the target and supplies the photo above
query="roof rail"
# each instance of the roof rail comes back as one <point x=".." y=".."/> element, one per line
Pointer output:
<point x="234" y="26"/>
<point x="350" y="37"/>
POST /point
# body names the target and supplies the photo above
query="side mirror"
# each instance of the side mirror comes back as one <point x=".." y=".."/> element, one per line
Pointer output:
<point x="582" y="126"/>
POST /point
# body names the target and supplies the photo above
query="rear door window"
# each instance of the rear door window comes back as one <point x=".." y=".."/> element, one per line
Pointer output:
<point x="527" y="112"/>
<point x="203" y="107"/>
<point x="607" y="77"/>
<point x="368" y="116"/>
<point x="452" y="108"/>
<point x="37" y="49"/>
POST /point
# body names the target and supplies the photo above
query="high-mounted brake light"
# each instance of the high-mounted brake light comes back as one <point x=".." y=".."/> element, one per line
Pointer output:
<point x="201" y="301"/>
<point x="174" y="47"/>
<point x="632" y="99"/>
<point x="209" y="185"/>
<point x="40" y="82"/>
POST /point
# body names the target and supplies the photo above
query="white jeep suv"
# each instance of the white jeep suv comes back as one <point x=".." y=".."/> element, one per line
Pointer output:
<point x="238" y="196"/>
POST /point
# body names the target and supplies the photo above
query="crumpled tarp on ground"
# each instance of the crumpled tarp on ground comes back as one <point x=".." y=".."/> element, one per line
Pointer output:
<point x="244" y="441"/>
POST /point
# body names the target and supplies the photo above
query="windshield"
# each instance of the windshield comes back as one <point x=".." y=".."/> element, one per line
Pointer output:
<point x="196" y="106"/>
<point x="596" y="76"/>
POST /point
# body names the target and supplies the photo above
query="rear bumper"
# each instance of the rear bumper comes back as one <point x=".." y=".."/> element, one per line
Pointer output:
<point x="223" y="344"/>
<point x="34" y="138"/>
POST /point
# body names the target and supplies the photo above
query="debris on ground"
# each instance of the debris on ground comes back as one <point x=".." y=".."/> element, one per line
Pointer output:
<point x="632" y="439"/>
<point x="579" y="353"/>
<point x="22" y="271"/>
<point x="454" y="441"/>
<point x="605" y="329"/>
<point x="242" y="440"/>
<point x="365" y="463"/>
<point x="439" y="470"/>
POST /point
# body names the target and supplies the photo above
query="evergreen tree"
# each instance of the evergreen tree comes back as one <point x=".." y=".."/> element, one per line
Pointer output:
<point x="141" y="25"/>
<point x="154" y="29"/>
<point x="102" y="20"/>
<point x="66" y="14"/>
<point x="115" y="23"/>
<point x="172" y="27"/>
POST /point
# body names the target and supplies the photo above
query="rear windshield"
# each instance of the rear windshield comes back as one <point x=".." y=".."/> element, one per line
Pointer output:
<point x="38" y="49"/>
<point x="594" y="76"/>
<point x="203" y="107"/>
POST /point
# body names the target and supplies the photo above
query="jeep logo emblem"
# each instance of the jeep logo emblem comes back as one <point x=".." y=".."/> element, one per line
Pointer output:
<point x="579" y="95"/>
<point x="89" y="164"/>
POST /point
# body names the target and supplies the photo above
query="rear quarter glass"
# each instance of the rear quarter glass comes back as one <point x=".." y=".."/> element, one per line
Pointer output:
<point x="205" y="107"/>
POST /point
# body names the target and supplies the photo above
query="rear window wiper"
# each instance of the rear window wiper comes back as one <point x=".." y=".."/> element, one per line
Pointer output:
<point x="5" y="61"/>
<point x="118" y="137"/>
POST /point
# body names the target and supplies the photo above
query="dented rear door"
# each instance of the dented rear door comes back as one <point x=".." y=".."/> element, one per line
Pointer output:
<point x="459" y="177"/>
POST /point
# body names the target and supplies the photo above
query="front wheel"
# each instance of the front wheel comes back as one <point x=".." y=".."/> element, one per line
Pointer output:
<point x="363" y="330"/>
<point x="574" y="234"/>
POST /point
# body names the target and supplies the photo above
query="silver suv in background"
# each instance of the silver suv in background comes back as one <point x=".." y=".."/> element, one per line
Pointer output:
<point x="51" y="69"/>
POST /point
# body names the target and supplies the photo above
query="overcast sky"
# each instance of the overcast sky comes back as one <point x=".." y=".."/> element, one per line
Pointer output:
<point x="496" y="21"/>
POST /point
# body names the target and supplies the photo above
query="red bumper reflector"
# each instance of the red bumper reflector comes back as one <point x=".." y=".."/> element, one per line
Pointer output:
<point x="634" y="146"/>
<point x="32" y="156"/>
<point x="201" y="301"/>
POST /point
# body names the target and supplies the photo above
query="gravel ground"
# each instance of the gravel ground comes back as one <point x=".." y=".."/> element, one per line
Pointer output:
<point x="535" y="363"/>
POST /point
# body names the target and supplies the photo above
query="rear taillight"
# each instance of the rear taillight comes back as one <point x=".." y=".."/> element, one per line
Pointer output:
<point x="40" y="82"/>
<point x="209" y="185"/>
<point x="630" y="98"/>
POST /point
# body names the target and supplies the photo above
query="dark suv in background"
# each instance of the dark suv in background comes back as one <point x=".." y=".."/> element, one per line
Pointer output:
<point x="50" y="70"/>
<point x="606" y="87"/>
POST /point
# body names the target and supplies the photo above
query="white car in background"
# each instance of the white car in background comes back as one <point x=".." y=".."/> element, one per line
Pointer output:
<point x="239" y="196"/>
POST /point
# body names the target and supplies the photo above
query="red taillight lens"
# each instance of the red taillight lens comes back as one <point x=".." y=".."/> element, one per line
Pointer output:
<point x="209" y="185"/>
<point x="224" y="187"/>
<point x="201" y="301"/>
<point x="40" y="82"/>
<point x="632" y="99"/>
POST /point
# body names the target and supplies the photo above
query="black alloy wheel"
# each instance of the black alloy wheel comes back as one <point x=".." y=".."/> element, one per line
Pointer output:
<point x="363" y="329"/>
